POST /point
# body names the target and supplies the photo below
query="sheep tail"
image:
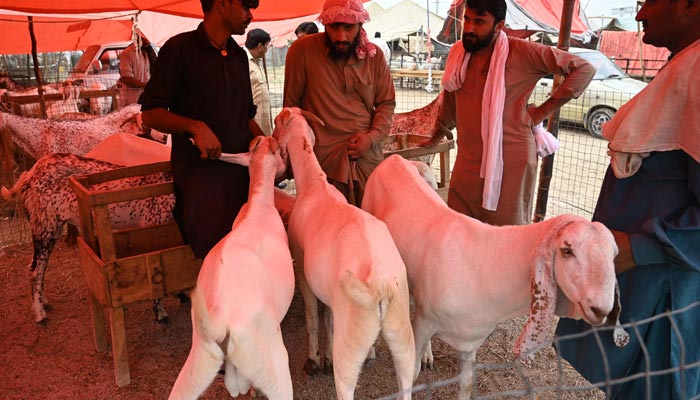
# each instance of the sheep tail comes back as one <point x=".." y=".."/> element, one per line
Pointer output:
<point x="13" y="193"/>
<point x="366" y="295"/>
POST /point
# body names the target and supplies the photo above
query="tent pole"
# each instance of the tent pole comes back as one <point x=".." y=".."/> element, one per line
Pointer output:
<point x="37" y="71"/>
<point x="547" y="164"/>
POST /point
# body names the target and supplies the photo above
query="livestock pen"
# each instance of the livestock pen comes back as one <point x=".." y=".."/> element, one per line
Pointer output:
<point x="58" y="361"/>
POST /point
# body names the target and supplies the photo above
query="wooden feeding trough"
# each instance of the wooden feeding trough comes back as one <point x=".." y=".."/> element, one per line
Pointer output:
<point x="407" y="147"/>
<point x="125" y="266"/>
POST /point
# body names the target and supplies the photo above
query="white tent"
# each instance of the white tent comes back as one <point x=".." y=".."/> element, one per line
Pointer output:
<point x="401" y="20"/>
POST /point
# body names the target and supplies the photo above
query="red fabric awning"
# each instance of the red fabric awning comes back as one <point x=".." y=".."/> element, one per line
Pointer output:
<point x="549" y="13"/>
<point x="59" y="34"/>
<point x="269" y="9"/>
<point x="624" y="48"/>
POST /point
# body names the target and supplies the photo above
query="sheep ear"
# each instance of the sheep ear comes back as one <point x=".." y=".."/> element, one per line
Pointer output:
<point x="312" y="117"/>
<point x="274" y="146"/>
<point x="543" y="287"/>
<point x="620" y="337"/>
<point x="254" y="143"/>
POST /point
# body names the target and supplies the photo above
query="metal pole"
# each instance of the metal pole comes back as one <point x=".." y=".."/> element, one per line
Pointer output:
<point x="429" y="44"/>
<point x="547" y="165"/>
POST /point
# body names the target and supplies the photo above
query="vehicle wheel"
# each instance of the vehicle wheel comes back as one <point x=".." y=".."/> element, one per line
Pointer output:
<point x="596" y="119"/>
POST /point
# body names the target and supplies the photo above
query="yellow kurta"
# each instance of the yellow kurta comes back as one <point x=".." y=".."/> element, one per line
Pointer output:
<point x="261" y="94"/>
<point x="527" y="62"/>
<point x="349" y="97"/>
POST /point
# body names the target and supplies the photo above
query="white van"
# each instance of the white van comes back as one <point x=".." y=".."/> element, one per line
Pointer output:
<point x="99" y="63"/>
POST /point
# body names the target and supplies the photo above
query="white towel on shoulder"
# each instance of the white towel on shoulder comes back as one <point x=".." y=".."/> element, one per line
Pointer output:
<point x="492" y="104"/>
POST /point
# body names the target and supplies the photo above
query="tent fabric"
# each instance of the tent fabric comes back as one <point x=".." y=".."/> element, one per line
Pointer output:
<point x="401" y="20"/>
<point x="269" y="10"/>
<point x="524" y="18"/>
<point x="59" y="34"/>
<point x="548" y="12"/>
<point x="623" y="47"/>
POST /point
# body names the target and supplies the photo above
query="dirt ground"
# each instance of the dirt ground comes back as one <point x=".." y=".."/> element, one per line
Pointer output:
<point x="58" y="360"/>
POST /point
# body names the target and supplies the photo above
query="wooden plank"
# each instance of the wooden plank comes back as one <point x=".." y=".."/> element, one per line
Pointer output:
<point x="34" y="98"/>
<point x="135" y="241"/>
<point x="119" y="350"/>
<point x="99" y="327"/>
<point x="155" y="275"/>
<point x="124" y="172"/>
<point x="180" y="269"/>
<point x="85" y="211"/>
<point x="135" y="193"/>
<point x="422" y="151"/>
<point x="103" y="230"/>
<point x="416" y="73"/>
<point x="128" y="280"/>
<point x="94" y="273"/>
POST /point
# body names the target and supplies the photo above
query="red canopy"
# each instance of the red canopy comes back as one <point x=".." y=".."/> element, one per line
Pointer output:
<point x="549" y="13"/>
<point x="59" y="34"/>
<point x="269" y="9"/>
<point x="624" y="48"/>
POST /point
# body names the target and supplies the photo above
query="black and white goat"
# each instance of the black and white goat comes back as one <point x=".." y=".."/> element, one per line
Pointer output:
<point x="50" y="204"/>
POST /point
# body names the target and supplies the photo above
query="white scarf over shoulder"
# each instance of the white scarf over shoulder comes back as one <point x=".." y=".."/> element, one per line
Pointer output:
<point x="664" y="116"/>
<point x="492" y="105"/>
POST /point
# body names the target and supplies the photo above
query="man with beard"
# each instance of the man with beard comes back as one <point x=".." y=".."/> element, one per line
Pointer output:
<point x="650" y="201"/>
<point x="200" y="93"/>
<point x="487" y="82"/>
<point x="340" y="77"/>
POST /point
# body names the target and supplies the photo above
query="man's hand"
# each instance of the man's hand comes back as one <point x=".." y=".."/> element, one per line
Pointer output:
<point x="206" y="141"/>
<point x="624" y="260"/>
<point x="358" y="145"/>
<point x="533" y="111"/>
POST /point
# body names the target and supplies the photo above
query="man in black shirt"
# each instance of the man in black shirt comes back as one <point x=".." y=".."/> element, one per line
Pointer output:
<point x="200" y="92"/>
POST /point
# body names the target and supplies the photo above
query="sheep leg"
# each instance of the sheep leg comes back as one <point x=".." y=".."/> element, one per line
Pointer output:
<point x="312" y="365"/>
<point x="466" y="367"/>
<point x="396" y="330"/>
<point x="422" y="334"/>
<point x="159" y="312"/>
<point x="328" y="359"/>
<point x="236" y="383"/>
<point x="40" y="261"/>
<point x="200" y="369"/>
<point x="357" y="331"/>
<point x="270" y="375"/>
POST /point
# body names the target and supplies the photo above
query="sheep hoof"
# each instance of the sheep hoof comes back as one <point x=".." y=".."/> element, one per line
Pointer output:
<point x="164" y="322"/>
<point x="43" y="322"/>
<point x="327" y="366"/>
<point x="311" y="367"/>
<point x="424" y="366"/>
<point x="369" y="362"/>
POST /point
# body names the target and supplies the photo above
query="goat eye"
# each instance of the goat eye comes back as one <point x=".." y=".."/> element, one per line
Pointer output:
<point x="566" y="251"/>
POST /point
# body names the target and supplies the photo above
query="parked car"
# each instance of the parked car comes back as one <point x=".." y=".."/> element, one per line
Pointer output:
<point x="607" y="92"/>
<point x="99" y="63"/>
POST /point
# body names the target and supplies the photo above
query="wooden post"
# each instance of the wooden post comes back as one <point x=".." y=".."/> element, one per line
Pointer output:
<point x="547" y="164"/>
<point x="37" y="71"/>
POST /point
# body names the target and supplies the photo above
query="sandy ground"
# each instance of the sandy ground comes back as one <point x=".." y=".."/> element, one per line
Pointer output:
<point x="58" y="360"/>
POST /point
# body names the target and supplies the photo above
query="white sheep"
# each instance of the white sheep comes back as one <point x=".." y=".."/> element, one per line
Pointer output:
<point x="467" y="276"/>
<point x="347" y="259"/>
<point x="243" y="291"/>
